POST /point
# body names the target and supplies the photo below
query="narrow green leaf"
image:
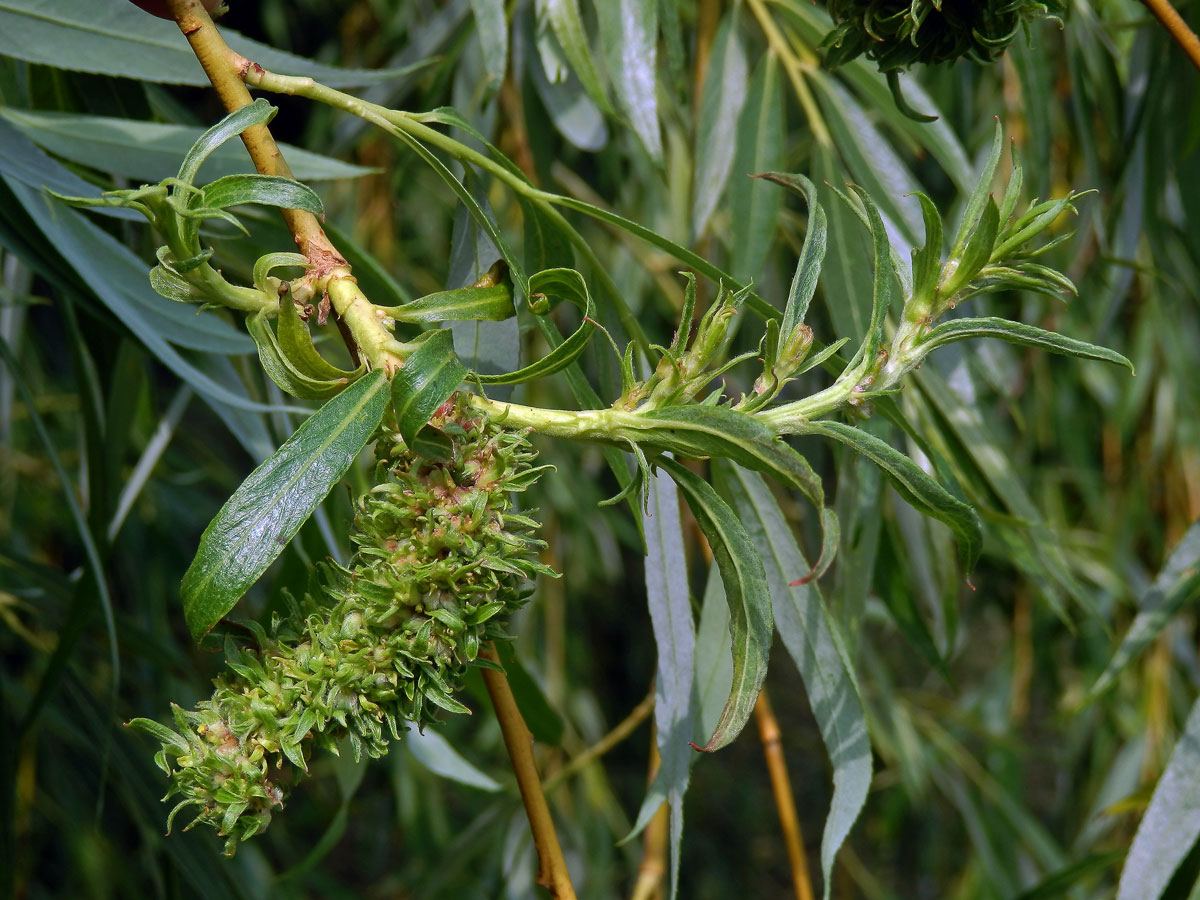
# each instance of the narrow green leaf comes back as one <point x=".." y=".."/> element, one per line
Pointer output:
<point x="714" y="431"/>
<point x="259" y="112"/>
<point x="881" y="293"/>
<point x="491" y="25"/>
<point x="714" y="657"/>
<point x="1171" y="825"/>
<point x="438" y="755"/>
<point x="913" y="483"/>
<point x="1177" y="585"/>
<point x="674" y="635"/>
<point x="430" y="374"/>
<point x="750" y="620"/>
<point x="567" y="25"/>
<point x="759" y="148"/>
<point x="979" y="196"/>
<point x="268" y="190"/>
<point x="720" y="104"/>
<point x="629" y="31"/>
<point x="1019" y="333"/>
<point x="111" y="37"/>
<point x="812" y="253"/>
<point x="846" y="275"/>
<point x="150" y="151"/>
<point x="295" y="342"/>
<point x="167" y="284"/>
<point x="977" y="252"/>
<point x="569" y="285"/>
<point x="468" y="304"/>
<point x="927" y="262"/>
<point x="269" y="507"/>
<point x="808" y="633"/>
<point x="283" y="371"/>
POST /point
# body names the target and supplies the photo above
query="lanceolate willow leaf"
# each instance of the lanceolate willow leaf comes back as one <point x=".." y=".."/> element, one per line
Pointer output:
<point x="1020" y="333"/>
<point x="674" y="635"/>
<point x="629" y="29"/>
<point x="1171" y="826"/>
<point x="267" y="510"/>
<point x="753" y="206"/>
<point x="750" y="619"/>
<point x="110" y="37"/>
<point x="913" y="484"/>
<point x="812" y="253"/>
<point x="1176" y="585"/>
<point x="430" y="374"/>
<point x="569" y="285"/>
<point x="720" y="103"/>
<point x="812" y="641"/>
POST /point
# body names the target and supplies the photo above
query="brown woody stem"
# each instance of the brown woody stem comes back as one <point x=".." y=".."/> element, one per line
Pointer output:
<point x="1179" y="30"/>
<point x="785" y="803"/>
<point x="552" y="868"/>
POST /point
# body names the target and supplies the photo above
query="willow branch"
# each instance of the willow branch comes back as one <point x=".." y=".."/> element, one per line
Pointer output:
<point x="552" y="868"/>
<point x="785" y="802"/>
<point x="621" y="731"/>
<point x="226" y="71"/>
<point x="1179" y="30"/>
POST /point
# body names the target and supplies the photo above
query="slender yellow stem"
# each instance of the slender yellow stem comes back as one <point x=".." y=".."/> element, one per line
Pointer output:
<point x="649" y="884"/>
<point x="619" y="733"/>
<point x="224" y="69"/>
<point x="1179" y="30"/>
<point x="785" y="802"/>
<point x="552" y="868"/>
<point x="795" y="69"/>
<point x="329" y="270"/>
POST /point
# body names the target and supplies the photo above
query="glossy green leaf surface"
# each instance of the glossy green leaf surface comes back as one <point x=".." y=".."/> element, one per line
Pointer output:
<point x="269" y="507"/>
<point x="429" y="376"/>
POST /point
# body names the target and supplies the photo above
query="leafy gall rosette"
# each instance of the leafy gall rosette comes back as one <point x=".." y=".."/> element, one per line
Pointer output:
<point x="442" y="562"/>
<point x="898" y="33"/>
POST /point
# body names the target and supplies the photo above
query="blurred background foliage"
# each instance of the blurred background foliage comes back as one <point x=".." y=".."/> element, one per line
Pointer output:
<point x="125" y="423"/>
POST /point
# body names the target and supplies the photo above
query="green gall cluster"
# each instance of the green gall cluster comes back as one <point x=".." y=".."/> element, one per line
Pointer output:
<point x="443" y="559"/>
<point x="898" y="33"/>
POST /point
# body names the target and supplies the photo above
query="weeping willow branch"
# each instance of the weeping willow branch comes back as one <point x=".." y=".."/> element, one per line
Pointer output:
<point x="1179" y="30"/>
<point x="222" y="66"/>
<point x="552" y="868"/>
<point x="329" y="270"/>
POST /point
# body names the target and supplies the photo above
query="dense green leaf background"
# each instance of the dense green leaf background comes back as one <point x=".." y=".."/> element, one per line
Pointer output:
<point x="1018" y="724"/>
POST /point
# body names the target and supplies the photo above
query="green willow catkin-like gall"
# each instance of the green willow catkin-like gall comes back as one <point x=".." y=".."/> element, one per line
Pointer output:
<point x="898" y="33"/>
<point x="442" y="562"/>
